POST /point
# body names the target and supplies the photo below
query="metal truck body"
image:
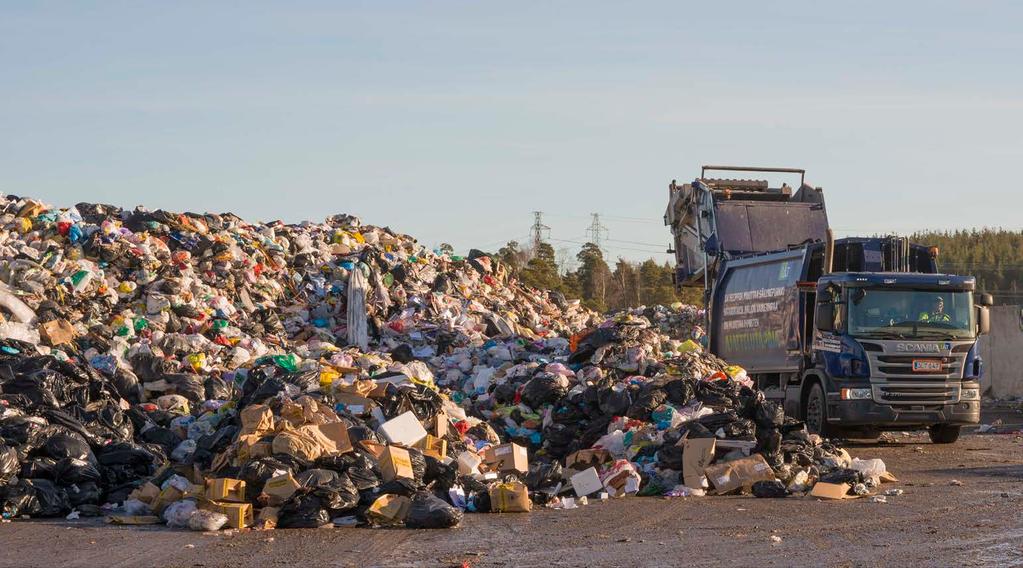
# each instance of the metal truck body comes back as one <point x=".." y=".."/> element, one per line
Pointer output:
<point x="840" y="331"/>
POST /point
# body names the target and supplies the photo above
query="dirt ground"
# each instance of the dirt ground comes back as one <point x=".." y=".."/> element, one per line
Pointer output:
<point x="963" y="505"/>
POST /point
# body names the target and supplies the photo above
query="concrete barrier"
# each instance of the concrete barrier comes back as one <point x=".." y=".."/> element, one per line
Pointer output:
<point x="1002" y="351"/>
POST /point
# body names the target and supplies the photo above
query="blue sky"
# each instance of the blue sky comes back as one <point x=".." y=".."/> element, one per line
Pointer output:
<point x="452" y="121"/>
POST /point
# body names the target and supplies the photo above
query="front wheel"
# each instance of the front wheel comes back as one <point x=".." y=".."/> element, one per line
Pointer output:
<point x="816" y="411"/>
<point x="944" y="433"/>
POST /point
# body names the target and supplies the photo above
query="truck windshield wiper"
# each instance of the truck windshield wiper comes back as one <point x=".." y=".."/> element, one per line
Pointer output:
<point x="879" y="334"/>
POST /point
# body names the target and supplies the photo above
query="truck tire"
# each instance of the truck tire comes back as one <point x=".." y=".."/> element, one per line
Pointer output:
<point x="816" y="411"/>
<point x="944" y="433"/>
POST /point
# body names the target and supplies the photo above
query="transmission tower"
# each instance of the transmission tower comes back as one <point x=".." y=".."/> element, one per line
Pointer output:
<point x="597" y="233"/>
<point x="538" y="230"/>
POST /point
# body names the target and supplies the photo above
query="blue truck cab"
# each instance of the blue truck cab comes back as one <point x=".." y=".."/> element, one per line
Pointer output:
<point x="855" y="335"/>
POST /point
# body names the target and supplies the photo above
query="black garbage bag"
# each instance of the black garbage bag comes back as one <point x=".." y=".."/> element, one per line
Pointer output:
<point x="306" y="381"/>
<point x="164" y="437"/>
<point x="614" y="401"/>
<point x="105" y="422"/>
<point x="543" y="475"/>
<point x="70" y="422"/>
<point x="440" y="475"/>
<point x="127" y="385"/>
<point x="209" y="445"/>
<point x="63" y="444"/>
<point x="257" y="391"/>
<point x="87" y="493"/>
<point x="19" y="499"/>
<point x="669" y="457"/>
<point x="70" y="471"/>
<point x="544" y="388"/>
<point x="217" y="389"/>
<point x="303" y="511"/>
<point x="187" y="385"/>
<point x="397" y="486"/>
<point x="430" y="512"/>
<point x="650" y="396"/>
<point x="38" y="468"/>
<point x="842" y="475"/>
<point x="126" y="453"/>
<point x="420" y="399"/>
<point x="680" y="391"/>
<point x="403" y="353"/>
<point x="53" y="500"/>
<point x="589" y="344"/>
<point x="335" y="491"/>
<point x="768" y="414"/>
<point x="504" y="393"/>
<point x="23" y="433"/>
<point x="561" y="440"/>
<point x="770" y="489"/>
<point x="9" y="463"/>
<point x="363" y="477"/>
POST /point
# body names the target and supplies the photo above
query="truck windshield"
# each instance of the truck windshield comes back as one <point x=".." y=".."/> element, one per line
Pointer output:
<point x="910" y="314"/>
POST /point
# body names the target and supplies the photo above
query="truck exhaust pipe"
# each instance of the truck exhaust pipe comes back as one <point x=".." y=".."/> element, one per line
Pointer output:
<point x="829" y="252"/>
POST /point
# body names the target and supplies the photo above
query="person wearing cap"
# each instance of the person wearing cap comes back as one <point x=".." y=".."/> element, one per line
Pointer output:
<point x="937" y="313"/>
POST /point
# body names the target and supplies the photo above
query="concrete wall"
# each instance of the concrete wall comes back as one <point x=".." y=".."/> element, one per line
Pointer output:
<point x="1002" y="351"/>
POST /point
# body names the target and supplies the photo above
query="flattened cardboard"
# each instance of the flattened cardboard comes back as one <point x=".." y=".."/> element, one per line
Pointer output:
<point x="507" y="457"/>
<point x="394" y="463"/>
<point x="697" y="454"/>
<point x="337" y="433"/>
<point x="257" y="419"/>
<point x="729" y="476"/>
<point x="57" y="332"/>
<point x="835" y="491"/>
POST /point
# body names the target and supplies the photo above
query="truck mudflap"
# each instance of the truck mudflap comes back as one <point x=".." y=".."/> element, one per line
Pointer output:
<point x="867" y="413"/>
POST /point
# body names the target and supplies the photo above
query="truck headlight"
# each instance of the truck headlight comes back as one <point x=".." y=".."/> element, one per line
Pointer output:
<point x="857" y="394"/>
<point x="970" y="394"/>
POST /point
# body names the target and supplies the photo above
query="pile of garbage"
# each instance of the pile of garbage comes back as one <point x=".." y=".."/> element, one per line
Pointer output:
<point x="202" y="371"/>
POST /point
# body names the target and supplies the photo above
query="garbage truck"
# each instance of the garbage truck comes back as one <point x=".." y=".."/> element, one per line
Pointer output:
<point x="855" y="335"/>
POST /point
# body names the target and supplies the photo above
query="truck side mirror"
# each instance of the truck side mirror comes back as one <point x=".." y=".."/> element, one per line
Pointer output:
<point x="986" y="300"/>
<point x="824" y="317"/>
<point x="983" y="320"/>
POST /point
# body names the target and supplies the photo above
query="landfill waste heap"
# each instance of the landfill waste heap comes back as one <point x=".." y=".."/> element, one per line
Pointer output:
<point x="207" y="372"/>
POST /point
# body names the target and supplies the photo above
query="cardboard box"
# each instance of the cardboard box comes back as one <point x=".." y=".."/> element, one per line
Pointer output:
<point x="440" y="425"/>
<point x="374" y="449"/>
<point x="56" y="332"/>
<point x="586" y="482"/>
<point x="148" y="492"/>
<point x="583" y="459"/>
<point x="832" y="491"/>
<point x="468" y="463"/>
<point x="250" y="447"/>
<point x="225" y="489"/>
<point x="394" y="463"/>
<point x="697" y="454"/>
<point x="729" y="476"/>
<point x="507" y="457"/>
<point x="389" y="509"/>
<point x="404" y="429"/>
<point x="510" y="497"/>
<point x="434" y="447"/>
<point x="239" y="515"/>
<point x="280" y="488"/>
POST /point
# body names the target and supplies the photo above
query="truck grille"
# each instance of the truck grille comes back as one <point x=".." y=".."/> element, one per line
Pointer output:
<point x="916" y="394"/>
<point x="900" y="367"/>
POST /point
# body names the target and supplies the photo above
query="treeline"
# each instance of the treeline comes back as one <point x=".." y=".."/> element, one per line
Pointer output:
<point x="597" y="284"/>
<point x="994" y="256"/>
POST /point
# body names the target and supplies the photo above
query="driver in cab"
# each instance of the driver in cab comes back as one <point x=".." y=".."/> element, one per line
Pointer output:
<point x="937" y="313"/>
